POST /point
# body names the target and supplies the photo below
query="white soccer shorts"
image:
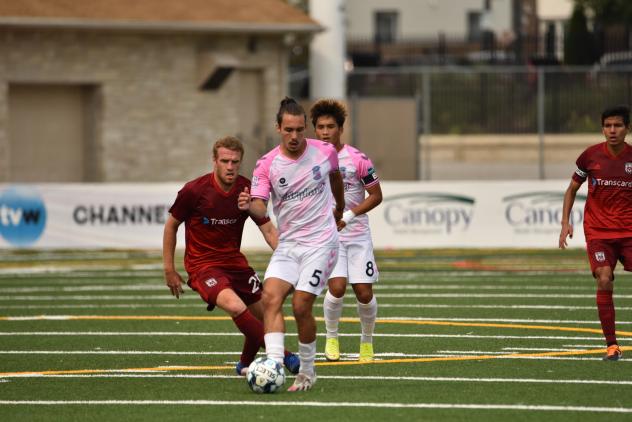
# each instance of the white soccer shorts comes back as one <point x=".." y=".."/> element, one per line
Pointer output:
<point x="307" y="268"/>
<point x="356" y="262"/>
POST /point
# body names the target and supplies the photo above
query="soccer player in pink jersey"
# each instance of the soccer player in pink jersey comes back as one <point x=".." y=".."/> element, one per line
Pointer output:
<point x="217" y="269"/>
<point x="299" y="176"/>
<point x="607" y="213"/>
<point x="356" y="261"/>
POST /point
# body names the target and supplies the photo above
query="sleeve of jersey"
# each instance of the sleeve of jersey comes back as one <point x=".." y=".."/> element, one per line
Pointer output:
<point x="184" y="204"/>
<point x="260" y="184"/>
<point x="366" y="172"/>
<point x="333" y="159"/>
<point x="581" y="173"/>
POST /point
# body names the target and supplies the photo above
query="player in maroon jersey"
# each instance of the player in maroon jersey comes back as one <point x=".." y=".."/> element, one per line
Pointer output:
<point x="607" y="213"/>
<point x="217" y="269"/>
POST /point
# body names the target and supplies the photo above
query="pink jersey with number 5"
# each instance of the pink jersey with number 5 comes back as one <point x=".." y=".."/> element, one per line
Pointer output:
<point x="301" y="193"/>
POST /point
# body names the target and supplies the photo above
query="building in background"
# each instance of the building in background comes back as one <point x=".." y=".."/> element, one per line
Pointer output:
<point x="116" y="91"/>
<point x="553" y="16"/>
<point x="433" y="32"/>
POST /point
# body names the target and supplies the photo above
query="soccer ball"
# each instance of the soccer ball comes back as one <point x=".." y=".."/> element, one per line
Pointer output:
<point x="265" y="375"/>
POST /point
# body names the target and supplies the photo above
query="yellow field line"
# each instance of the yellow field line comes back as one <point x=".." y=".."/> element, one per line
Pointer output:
<point x="355" y="320"/>
<point x="342" y="363"/>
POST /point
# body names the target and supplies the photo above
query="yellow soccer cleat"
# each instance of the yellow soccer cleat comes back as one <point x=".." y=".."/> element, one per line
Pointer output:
<point x="366" y="352"/>
<point x="332" y="349"/>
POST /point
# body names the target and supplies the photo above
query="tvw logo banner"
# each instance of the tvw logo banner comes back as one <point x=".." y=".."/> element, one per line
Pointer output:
<point x="22" y="216"/>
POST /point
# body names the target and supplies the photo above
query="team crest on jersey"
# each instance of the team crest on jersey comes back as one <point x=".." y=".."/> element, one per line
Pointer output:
<point x="283" y="182"/>
<point x="211" y="282"/>
<point x="343" y="171"/>
<point x="600" y="256"/>
<point x="628" y="168"/>
<point x="316" y="173"/>
<point x="255" y="181"/>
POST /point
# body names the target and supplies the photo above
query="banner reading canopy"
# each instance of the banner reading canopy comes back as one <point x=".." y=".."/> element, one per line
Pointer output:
<point x="412" y="215"/>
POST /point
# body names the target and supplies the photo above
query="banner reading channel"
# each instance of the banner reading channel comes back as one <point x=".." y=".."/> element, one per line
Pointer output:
<point x="412" y="215"/>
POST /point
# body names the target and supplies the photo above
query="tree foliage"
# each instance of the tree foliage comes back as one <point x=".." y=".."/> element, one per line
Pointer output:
<point x="608" y="11"/>
<point x="579" y="46"/>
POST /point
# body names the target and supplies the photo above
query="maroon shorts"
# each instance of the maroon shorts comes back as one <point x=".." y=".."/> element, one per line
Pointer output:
<point x="208" y="282"/>
<point x="606" y="252"/>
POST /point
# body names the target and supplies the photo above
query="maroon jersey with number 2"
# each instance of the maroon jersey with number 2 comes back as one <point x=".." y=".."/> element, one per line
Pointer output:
<point x="213" y="224"/>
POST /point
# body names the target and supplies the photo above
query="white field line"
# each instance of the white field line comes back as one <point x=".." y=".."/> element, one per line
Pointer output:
<point x="495" y="295"/>
<point x="316" y="305"/>
<point x="320" y="356"/>
<point x="416" y="286"/>
<point x="583" y="346"/>
<point x="351" y="378"/>
<point x="385" y="275"/>
<point x="109" y="306"/>
<point x="86" y="288"/>
<point x="259" y="403"/>
<point x="290" y="334"/>
<point x="64" y="270"/>
<point x="497" y="320"/>
<point x="380" y="295"/>
<point x="112" y="352"/>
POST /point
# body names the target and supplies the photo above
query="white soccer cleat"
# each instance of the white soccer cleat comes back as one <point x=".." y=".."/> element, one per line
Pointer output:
<point x="302" y="383"/>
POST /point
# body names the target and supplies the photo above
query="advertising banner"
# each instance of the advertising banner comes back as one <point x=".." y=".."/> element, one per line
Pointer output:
<point x="412" y="215"/>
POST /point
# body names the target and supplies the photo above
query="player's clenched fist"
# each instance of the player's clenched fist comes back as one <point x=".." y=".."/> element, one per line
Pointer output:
<point x="243" y="201"/>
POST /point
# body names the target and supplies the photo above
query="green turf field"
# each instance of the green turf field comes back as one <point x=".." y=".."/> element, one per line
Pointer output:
<point x="462" y="335"/>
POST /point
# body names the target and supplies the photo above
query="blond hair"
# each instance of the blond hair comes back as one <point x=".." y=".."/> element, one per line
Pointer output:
<point x="228" y="142"/>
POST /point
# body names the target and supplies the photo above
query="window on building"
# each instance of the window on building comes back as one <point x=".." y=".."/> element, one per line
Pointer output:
<point x="386" y="26"/>
<point x="474" y="30"/>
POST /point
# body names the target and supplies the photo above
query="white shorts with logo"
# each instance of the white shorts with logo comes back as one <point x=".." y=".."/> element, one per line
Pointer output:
<point x="307" y="268"/>
<point x="356" y="262"/>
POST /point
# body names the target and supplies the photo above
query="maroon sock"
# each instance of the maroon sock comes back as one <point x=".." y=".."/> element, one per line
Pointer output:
<point x="605" y="306"/>
<point x="252" y="328"/>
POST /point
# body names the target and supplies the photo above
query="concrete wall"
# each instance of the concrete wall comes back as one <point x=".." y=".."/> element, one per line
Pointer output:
<point x="501" y="157"/>
<point x="152" y="123"/>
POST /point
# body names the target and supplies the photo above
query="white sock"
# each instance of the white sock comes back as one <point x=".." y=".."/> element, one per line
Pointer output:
<point x="367" y="313"/>
<point x="307" y="354"/>
<point x="332" y="307"/>
<point x="275" y="347"/>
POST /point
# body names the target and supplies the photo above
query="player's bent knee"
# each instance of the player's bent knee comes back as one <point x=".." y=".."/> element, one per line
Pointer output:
<point x="271" y="301"/>
<point x="302" y="310"/>
<point x="364" y="293"/>
<point x="337" y="286"/>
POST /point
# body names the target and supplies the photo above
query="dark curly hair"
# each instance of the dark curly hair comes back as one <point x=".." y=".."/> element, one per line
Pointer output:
<point x="328" y="107"/>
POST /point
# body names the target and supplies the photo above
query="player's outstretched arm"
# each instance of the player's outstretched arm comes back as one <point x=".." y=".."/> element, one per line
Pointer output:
<point x="569" y="200"/>
<point x="270" y="234"/>
<point x="338" y="190"/>
<point x="169" y="238"/>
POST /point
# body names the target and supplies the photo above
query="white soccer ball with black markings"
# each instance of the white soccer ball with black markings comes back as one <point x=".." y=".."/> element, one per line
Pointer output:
<point x="265" y="375"/>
